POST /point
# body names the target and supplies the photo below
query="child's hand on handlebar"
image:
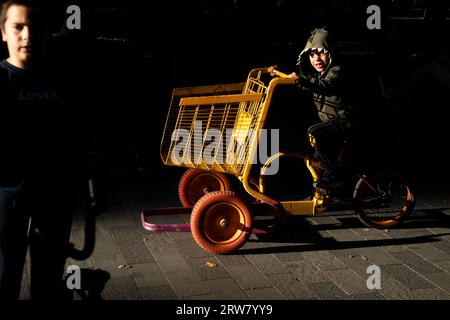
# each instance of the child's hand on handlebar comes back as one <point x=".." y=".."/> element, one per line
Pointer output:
<point x="274" y="73"/>
<point x="293" y="75"/>
<point x="272" y="70"/>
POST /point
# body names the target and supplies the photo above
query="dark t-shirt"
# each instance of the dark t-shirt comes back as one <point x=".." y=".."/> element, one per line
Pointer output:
<point x="39" y="128"/>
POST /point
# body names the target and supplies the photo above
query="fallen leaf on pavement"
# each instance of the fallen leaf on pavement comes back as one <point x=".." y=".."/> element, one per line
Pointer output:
<point x="210" y="264"/>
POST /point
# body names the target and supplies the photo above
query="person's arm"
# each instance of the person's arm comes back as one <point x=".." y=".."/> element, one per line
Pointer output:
<point x="328" y="86"/>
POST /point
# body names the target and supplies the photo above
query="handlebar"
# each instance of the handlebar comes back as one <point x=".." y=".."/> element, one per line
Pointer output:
<point x="280" y="74"/>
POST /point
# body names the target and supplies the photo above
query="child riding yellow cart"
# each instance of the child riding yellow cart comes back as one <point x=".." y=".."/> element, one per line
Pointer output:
<point x="215" y="131"/>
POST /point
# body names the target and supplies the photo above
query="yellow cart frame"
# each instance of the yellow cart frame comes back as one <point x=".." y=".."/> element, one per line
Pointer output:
<point x="221" y="222"/>
<point x="239" y="112"/>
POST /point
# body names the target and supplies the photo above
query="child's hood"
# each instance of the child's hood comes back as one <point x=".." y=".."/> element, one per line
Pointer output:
<point x="319" y="39"/>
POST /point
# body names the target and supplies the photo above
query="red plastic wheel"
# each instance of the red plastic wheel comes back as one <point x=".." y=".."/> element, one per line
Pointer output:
<point x="195" y="183"/>
<point x="221" y="222"/>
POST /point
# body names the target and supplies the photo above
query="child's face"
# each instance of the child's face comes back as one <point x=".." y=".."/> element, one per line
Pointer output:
<point x="26" y="40"/>
<point x="319" y="60"/>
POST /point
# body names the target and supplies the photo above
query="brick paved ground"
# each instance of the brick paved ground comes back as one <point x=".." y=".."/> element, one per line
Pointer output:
<point x="322" y="257"/>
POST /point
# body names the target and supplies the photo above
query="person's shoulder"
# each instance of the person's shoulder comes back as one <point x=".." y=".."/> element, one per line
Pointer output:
<point x="3" y="66"/>
<point x="3" y="71"/>
<point x="4" y="80"/>
<point x="7" y="69"/>
<point x="334" y="71"/>
<point x="337" y="68"/>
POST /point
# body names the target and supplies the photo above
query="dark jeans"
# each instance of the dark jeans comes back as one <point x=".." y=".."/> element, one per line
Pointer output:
<point x="329" y="138"/>
<point x="13" y="241"/>
<point x="47" y="237"/>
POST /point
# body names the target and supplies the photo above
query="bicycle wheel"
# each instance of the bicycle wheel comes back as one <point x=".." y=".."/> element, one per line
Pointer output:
<point x="221" y="222"/>
<point x="195" y="183"/>
<point x="383" y="200"/>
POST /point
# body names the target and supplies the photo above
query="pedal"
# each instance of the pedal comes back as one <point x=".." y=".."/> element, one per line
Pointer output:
<point x="332" y="200"/>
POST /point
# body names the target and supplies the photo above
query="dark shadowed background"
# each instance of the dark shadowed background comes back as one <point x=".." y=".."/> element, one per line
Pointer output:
<point x="129" y="55"/>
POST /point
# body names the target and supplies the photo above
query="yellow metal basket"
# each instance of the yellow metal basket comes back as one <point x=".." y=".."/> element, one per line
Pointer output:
<point x="216" y="127"/>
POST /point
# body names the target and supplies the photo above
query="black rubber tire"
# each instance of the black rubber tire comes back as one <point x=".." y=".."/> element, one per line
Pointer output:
<point x="386" y="189"/>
